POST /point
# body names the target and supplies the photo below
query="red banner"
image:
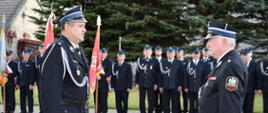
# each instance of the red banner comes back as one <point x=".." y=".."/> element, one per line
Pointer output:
<point x="49" y="31"/>
<point x="95" y="66"/>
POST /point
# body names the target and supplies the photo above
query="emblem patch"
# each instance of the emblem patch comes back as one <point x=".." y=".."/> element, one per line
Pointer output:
<point x="231" y="83"/>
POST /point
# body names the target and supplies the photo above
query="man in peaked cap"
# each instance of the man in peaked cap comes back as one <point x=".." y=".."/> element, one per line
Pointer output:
<point x="103" y="82"/>
<point x="224" y="90"/>
<point x="64" y="72"/>
<point x="38" y="63"/>
<point x="157" y="95"/>
<point x="121" y="81"/>
<point x="196" y="72"/>
<point x="207" y="58"/>
<point x="170" y="82"/>
<point x="180" y="56"/>
<point x="253" y="79"/>
<point x="12" y="73"/>
<point x="25" y="81"/>
<point x="146" y="78"/>
<point x="263" y="82"/>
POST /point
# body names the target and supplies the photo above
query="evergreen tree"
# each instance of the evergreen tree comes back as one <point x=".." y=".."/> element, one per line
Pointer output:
<point x="162" y="22"/>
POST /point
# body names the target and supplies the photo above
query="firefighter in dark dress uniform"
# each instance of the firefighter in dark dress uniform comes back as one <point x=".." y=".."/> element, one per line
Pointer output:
<point x="184" y="61"/>
<point x="38" y="64"/>
<point x="64" y="72"/>
<point x="121" y="82"/>
<point x="208" y="59"/>
<point x="171" y="82"/>
<point x="25" y="81"/>
<point x="11" y="72"/>
<point x="103" y="82"/>
<point x="225" y="88"/>
<point x="196" y="73"/>
<point x="146" y="78"/>
<point x="157" y="95"/>
<point x="263" y="75"/>
<point x="252" y="85"/>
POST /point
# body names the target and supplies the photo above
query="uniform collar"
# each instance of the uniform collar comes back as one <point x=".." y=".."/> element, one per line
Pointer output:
<point x="205" y="58"/>
<point x="158" y="58"/>
<point x="196" y="61"/>
<point x="148" y="58"/>
<point x="171" y="60"/>
<point x="75" y="46"/>
<point x="219" y="59"/>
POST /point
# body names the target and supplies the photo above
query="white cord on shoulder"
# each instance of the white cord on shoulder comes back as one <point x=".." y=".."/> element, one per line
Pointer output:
<point x="65" y="59"/>
<point x="262" y="69"/>
<point x="141" y="67"/>
<point x="114" y="73"/>
<point x="47" y="57"/>
<point x="162" y="70"/>
<point x="189" y="69"/>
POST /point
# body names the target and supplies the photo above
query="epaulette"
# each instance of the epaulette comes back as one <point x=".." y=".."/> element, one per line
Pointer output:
<point x="58" y="42"/>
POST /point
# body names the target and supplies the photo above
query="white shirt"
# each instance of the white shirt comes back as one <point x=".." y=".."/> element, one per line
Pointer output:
<point x="170" y="60"/>
<point x="247" y="63"/>
<point x="74" y="45"/>
<point x="195" y="61"/>
<point x="205" y="58"/>
<point x="159" y="58"/>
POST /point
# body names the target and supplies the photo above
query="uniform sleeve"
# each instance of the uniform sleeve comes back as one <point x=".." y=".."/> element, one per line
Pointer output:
<point x="256" y="78"/>
<point x="109" y="69"/>
<point x="33" y="73"/>
<point x="207" y="70"/>
<point x="180" y="74"/>
<point x="14" y="68"/>
<point x="259" y="76"/>
<point x="129" y="80"/>
<point x="51" y="80"/>
<point x="186" y="77"/>
<point x="156" y="72"/>
<point x="231" y="89"/>
<point x="160" y="76"/>
<point x="19" y="74"/>
<point x="137" y="74"/>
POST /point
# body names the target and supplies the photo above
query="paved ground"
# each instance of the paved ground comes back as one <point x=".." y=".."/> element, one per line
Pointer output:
<point x="36" y="110"/>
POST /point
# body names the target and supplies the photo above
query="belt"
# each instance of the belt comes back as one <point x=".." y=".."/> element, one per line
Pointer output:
<point x="69" y="102"/>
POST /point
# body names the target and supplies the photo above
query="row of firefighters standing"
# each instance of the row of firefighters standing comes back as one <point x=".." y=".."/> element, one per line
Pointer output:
<point x="161" y="80"/>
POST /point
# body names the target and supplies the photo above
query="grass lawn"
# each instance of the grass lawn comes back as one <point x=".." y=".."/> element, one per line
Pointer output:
<point x="134" y="100"/>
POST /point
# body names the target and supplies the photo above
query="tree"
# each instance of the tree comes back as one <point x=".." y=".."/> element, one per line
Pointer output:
<point x="163" y="22"/>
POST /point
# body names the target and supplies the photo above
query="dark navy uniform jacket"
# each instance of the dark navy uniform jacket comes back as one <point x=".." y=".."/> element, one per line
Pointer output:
<point x="210" y="62"/>
<point x="27" y="73"/>
<point x="253" y="78"/>
<point x="146" y="75"/>
<point x="225" y="89"/>
<point x="184" y="67"/>
<point x="196" y="75"/>
<point x="122" y="76"/>
<point x="63" y="76"/>
<point x="263" y="74"/>
<point x="107" y="65"/>
<point x="171" y="74"/>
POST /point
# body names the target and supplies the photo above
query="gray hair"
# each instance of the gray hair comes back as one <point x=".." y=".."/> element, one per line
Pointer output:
<point x="231" y="42"/>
